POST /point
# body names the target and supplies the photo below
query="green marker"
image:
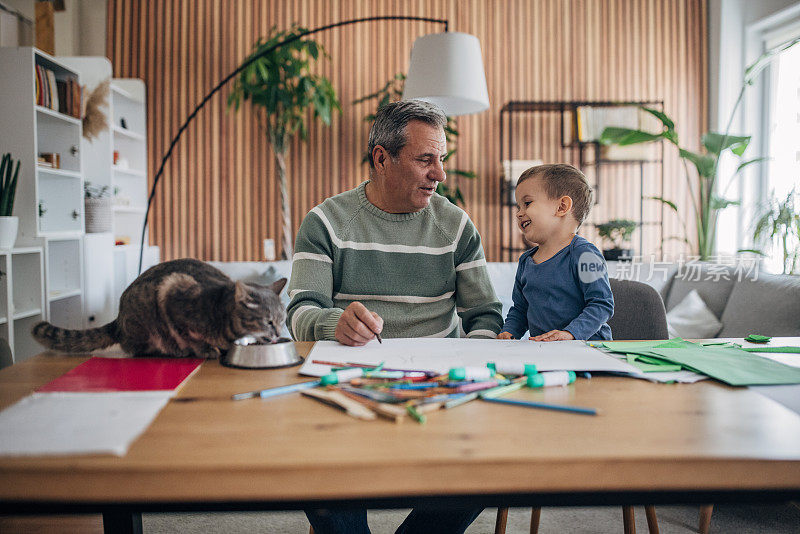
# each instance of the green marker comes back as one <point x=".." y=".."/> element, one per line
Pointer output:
<point x="470" y="373"/>
<point x="513" y="368"/>
<point x="337" y="377"/>
<point x="415" y="414"/>
<point x="551" y="378"/>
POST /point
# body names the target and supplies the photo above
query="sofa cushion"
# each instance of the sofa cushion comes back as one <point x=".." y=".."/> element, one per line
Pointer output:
<point x="767" y="304"/>
<point x="713" y="283"/>
<point x="691" y="319"/>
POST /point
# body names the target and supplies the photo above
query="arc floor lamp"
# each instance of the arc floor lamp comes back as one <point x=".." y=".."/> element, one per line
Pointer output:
<point x="446" y="69"/>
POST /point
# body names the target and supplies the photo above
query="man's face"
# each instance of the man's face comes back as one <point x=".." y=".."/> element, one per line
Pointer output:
<point x="410" y="179"/>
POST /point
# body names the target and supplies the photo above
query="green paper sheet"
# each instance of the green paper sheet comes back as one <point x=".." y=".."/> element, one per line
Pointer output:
<point x="786" y="350"/>
<point x="732" y="365"/>
<point x="652" y="365"/>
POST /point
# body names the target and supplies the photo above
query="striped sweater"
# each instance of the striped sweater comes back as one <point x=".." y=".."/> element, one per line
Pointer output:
<point x="419" y="271"/>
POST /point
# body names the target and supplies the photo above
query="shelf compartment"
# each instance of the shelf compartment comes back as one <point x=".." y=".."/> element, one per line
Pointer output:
<point x="27" y="313"/>
<point x="60" y="204"/>
<point x="129" y="172"/>
<point x="64" y="260"/>
<point x="58" y="115"/>
<point x="58" y="172"/>
<point x="55" y="135"/>
<point x="67" y="312"/>
<point x="26" y="271"/>
<point x="24" y="345"/>
<point x="128" y="133"/>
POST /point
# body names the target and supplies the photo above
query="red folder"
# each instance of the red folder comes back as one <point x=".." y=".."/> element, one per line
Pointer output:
<point x="125" y="374"/>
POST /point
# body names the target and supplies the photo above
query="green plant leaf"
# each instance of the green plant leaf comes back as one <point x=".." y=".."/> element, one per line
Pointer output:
<point x="668" y="123"/>
<point x="716" y="143"/>
<point x="752" y="251"/>
<point x="626" y="136"/>
<point x="463" y="174"/>
<point x="704" y="163"/>
<point x="748" y="163"/>
<point x="718" y="203"/>
<point x="666" y="202"/>
<point x="754" y="69"/>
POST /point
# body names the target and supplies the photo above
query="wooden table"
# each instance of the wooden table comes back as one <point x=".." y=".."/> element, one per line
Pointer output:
<point x="652" y="443"/>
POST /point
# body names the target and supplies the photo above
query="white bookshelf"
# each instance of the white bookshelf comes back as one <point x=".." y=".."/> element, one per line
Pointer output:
<point x="107" y="270"/>
<point x="47" y="267"/>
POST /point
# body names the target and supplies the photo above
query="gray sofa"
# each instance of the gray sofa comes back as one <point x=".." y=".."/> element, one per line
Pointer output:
<point x="745" y="300"/>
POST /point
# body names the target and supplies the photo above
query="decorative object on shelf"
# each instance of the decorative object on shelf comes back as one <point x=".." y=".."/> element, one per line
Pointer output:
<point x="781" y="221"/>
<point x="95" y="120"/>
<point x="444" y="87"/>
<point x="706" y="203"/>
<point x="617" y="232"/>
<point x="392" y="91"/>
<point x="49" y="159"/>
<point x="97" y="206"/>
<point x="8" y="189"/>
<point x="123" y="123"/>
<point x="280" y="83"/>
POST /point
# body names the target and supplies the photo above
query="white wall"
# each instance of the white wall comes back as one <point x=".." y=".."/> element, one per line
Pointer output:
<point x="80" y="30"/>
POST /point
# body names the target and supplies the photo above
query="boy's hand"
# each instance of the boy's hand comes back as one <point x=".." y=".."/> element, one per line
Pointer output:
<point x="553" y="335"/>
<point x="504" y="335"/>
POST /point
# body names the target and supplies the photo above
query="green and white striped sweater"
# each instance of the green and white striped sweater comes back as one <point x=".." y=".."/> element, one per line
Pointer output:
<point x="418" y="271"/>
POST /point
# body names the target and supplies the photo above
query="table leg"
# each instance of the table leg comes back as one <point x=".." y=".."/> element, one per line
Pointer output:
<point x="122" y="523"/>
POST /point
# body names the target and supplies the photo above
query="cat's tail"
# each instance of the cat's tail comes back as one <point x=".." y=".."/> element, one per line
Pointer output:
<point x="66" y="340"/>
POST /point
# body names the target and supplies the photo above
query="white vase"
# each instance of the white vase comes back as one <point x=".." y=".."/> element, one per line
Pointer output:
<point x="8" y="231"/>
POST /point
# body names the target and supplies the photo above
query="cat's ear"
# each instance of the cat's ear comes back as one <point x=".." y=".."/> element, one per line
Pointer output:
<point x="278" y="285"/>
<point x="241" y="292"/>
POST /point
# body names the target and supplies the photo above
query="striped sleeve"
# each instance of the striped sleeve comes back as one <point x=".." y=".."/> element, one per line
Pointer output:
<point x="476" y="302"/>
<point x="311" y="315"/>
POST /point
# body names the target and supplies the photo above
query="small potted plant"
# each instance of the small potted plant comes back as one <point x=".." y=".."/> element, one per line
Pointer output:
<point x="617" y="232"/>
<point x="8" y="188"/>
<point x="97" y="204"/>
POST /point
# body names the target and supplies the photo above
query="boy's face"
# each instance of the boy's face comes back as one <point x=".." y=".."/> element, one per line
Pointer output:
<point x="539" y="217"/>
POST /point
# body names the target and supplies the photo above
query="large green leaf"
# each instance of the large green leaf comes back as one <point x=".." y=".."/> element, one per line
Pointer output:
<point x="716" y="143"/>
<point x="668" y="123"/>
<point x="718" y="203"/>
<point x="666" y="202"/>
<point x="748" y="163"/>
<point x="614" y="135"/>
<point x="704" y="163"/>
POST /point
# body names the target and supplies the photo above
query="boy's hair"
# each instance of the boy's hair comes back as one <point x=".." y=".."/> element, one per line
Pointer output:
<point x="560" y="179"/>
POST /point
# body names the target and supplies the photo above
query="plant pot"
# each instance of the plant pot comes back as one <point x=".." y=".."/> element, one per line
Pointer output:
<point x="99" y="214"/>
<point x="8" y="231"/>
<point x="618" y="254"/>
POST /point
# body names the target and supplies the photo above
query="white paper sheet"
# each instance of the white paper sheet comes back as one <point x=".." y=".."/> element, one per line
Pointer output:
<point x="441" y="354"/>
<point x="77" y="423"/>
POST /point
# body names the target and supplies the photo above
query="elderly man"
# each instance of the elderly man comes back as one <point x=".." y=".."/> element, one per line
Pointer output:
<point x="392" y="257"/>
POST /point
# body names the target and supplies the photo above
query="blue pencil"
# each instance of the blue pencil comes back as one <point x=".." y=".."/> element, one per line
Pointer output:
<point x="559" y="407"/>
<point x="272" y="392"/>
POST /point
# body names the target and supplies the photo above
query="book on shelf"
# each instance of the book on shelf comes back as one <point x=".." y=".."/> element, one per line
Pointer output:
<point x="62" y="95"/>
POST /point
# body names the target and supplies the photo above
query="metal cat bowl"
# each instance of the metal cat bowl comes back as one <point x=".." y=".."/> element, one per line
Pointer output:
<point x="247" y="353"/>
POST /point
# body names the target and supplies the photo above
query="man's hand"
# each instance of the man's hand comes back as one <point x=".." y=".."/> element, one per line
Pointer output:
<point x="357" y="325"/>
<point x="553" y="335"/>
<point x="504" y="335"/>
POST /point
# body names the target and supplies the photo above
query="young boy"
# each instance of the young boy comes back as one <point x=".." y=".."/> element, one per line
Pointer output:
<point x="561" y="289"/>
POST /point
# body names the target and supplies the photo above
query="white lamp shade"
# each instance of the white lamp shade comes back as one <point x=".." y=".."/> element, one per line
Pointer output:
<point x="447" y="70"/>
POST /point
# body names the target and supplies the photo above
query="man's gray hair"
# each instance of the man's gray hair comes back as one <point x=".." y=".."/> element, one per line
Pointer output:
<point x="389" y="128"/>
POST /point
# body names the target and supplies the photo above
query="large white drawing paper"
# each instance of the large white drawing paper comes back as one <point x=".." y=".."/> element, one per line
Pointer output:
<point x="77" y="423"/>
<point x="441" y="354"/>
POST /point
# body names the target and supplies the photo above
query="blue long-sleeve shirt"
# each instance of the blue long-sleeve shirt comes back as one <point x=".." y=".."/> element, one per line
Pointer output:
<point x="569" y="291"/>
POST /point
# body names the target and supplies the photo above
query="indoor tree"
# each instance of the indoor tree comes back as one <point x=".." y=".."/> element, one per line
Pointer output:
<point x="282" y="87"/>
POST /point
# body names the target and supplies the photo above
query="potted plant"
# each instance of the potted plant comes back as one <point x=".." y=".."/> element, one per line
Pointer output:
<point x="281" y="84"/>
<point x="781" y="220"/>
<point x="706" y="202"/>
<point x="392" y="91"/>
<point x="97" y="208"/>
<point x="617" y="232"/>
<point x="8" y="189"/>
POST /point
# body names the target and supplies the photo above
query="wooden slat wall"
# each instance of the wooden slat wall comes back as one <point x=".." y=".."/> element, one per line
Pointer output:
<point x="219" y="197"/>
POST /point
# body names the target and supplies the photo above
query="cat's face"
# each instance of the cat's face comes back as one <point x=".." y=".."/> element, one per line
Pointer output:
<point x="259" y="311"/>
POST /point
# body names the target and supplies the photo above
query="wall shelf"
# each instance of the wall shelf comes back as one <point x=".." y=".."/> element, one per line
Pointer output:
<point x="586" y="155"/>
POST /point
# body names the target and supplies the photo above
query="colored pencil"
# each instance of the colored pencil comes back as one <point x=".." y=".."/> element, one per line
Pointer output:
<point x="545" y="406"/>
<point x="272" y="392"/>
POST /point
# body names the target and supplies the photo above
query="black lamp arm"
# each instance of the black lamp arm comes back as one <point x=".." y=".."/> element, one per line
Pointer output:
<point x="228" y="78"/>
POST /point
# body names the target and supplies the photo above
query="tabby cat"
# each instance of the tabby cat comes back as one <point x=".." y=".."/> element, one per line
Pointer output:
<point x="179" y="308"/>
